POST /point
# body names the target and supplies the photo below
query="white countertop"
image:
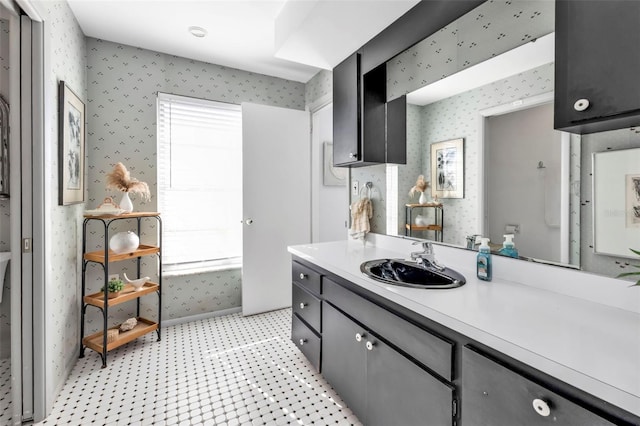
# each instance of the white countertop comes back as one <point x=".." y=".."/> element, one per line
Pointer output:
<point x="592" y="346"/>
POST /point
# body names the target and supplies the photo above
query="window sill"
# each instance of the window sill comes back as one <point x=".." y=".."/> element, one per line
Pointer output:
<point x="201" y="270"/>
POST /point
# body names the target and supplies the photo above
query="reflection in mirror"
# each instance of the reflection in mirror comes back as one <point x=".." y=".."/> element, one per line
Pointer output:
<point x="562" y="206"/>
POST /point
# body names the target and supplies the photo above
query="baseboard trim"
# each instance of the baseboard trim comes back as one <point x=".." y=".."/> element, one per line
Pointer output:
<point x="198" y="317"/>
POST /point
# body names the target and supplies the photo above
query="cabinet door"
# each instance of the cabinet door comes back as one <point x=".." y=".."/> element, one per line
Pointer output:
<point x="344" y="358"/>
<point x="597" y="59"/>
<point x="346" y="111"/>
<point x="417" y="397"/>
<point x="493" y="395"/>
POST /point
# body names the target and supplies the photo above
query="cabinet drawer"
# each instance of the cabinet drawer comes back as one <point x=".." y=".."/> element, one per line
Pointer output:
<point x="306" y="340"/>
<point x="308" y="307"/>
<point x="432" y="351"/>
<point x="495" y="395"/>
<point x="306" y="277"/>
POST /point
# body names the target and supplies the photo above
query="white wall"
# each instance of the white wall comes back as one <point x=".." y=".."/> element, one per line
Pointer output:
<point x="514" y="144"/>
<point x="328" y="211"/>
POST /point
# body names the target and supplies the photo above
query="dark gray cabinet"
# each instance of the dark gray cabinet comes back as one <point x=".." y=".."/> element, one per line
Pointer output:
<point x="346" y="111"/>
<point x="307" y="312"/>
<point x="360" y="114"/>
<point x="392" y="366"/>
<point x="367" y="373"/>
<point x="494" y="395"/>
<point x="597" y="65"/>
<point x="343" y="356"/>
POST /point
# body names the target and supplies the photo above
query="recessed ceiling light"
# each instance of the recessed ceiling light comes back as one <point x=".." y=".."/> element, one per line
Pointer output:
<point x="197" y="31"/>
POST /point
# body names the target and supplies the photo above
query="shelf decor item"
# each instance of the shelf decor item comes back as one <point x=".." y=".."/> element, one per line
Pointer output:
<point x="124" y="242"/>
<point x="129" y="324"/>
<point x="114" y="287"/>
<point x="137" y="284"/>
<point x="421" y="187"/>
<point x="71" y="134"/>
<point x="120" y="178"/>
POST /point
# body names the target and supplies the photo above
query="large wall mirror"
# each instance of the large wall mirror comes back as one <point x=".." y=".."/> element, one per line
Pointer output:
<point x="488" y="78"/>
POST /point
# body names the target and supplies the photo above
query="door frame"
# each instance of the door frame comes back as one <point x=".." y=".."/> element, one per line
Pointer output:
<point x="533" y="101"/>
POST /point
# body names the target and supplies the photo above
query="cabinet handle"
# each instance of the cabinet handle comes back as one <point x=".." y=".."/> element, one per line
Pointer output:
<point x="302" y="305"/>
<point x="353" y="155"/>
<point x="370" y="345"/>
<point x="302" y="342"/>
<point x="541" y="407"/>
<point x="581" y="104"/>
<point x="359" y="337"/>
<point x="302" y="276"/>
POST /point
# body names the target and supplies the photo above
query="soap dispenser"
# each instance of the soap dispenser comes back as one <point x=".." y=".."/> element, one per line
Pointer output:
<point x="483" y="262"/>
<point x="508" y="247"/>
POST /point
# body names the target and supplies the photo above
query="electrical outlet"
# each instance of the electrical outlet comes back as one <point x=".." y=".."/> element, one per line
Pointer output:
<point x="355" y="185"/>
<point x="114" y="277"/>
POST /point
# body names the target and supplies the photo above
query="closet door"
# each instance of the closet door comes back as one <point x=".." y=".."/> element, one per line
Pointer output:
<point x="276" y="202"/>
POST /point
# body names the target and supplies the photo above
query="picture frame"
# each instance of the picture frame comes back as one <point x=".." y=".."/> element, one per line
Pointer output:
<point x="332" y="176"/>
<point x="616" y="202"/>
<point x="447" y="169"/>
<point x="71" y="146"/>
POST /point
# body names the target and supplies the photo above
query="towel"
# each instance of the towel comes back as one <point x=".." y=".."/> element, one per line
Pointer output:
<point x="361" y="212"/>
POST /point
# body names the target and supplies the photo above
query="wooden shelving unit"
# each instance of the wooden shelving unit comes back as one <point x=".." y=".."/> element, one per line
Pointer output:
<point x="99" y="341"/>
<point x="436" y="227"/>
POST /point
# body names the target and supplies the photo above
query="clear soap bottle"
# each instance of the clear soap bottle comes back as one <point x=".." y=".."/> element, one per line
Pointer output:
<point x="483" y="263"/>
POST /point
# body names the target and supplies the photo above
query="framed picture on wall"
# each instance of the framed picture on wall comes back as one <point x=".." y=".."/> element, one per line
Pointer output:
<point x="332" y="176"/>
<point x="71" y="135"/>
<point x="447" y="169"/>
<point x="616" y="202"/>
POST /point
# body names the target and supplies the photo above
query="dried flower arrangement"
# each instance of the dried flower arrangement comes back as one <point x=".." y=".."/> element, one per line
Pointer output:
<point x="121" y="179"/>
<point x="420" y="186"/>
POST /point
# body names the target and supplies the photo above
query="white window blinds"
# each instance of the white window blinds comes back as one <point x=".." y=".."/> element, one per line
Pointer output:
<point x="199" y="182"/>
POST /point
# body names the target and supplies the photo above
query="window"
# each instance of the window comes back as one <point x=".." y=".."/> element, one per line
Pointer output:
<point x="199" y="182"/>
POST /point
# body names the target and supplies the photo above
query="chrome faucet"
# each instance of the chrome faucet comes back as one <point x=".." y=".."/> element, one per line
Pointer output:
<point x="471" y="241"/>
<point x="426" y="257"/>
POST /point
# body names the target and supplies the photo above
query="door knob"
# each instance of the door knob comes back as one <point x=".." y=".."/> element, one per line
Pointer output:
<point x="353" y="155"/>
<point x="302" y="341"/>
<point x="302" y="276"/>
<point x="302" y="305"/>
<point x="359" y="337"/>
<point x="248" y="221"/>
<point x="370" y="345"/>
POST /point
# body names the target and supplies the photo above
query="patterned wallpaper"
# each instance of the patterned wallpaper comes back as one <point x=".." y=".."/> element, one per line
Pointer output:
<point x="320" y="85"/>
<point x="492" y="28"/>
<point x="5" y="216"/>
<point x="63" y="230"/>
<point x="121" y="99"/>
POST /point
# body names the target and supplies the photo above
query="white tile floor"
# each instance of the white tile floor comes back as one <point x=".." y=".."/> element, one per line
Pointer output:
<point x="227" y="370"/>
<point x="5" y="391"/>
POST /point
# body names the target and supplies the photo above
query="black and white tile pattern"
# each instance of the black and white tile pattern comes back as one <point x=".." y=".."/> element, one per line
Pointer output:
<point x="5" y="391"/>
<point x="229" y="370"/>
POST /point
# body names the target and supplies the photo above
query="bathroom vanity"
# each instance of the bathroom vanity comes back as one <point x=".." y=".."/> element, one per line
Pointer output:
<point x="497" y="353"/>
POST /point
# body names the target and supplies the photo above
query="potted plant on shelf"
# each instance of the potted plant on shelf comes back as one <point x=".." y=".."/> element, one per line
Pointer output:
<point x="421" y="187"/>
<point x="114" y="287"/>
<point x="121" y="179"/>
<point x="631" y="274"/>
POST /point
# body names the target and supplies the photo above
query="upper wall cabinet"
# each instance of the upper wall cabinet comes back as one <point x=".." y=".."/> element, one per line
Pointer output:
<point x="346" y="111"/>
<point x="597" y="65"/>
<point x="360" y="117"/>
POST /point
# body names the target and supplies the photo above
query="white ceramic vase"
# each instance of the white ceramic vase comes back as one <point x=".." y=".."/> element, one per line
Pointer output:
<point x="423" y="198"/>
<point x="124" y="242"/>
<point x="125" y="203"/>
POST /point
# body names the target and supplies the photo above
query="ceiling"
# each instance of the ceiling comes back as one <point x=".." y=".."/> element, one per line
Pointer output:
<point x="290" y="39"/>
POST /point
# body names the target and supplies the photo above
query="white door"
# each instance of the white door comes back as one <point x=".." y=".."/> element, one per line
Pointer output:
<point x="276" y="202"/>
